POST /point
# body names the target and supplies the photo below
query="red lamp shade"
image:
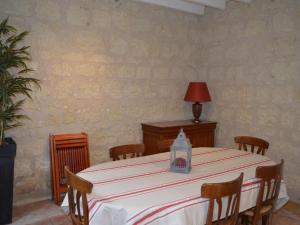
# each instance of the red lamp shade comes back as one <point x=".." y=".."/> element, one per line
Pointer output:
<point x="197" y="92"/>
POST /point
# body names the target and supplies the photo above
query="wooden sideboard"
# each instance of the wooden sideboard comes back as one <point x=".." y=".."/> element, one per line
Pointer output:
<point x="200" y="134"/>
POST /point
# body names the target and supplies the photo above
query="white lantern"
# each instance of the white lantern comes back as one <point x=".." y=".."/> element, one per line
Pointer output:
<point x="181" y="154"/>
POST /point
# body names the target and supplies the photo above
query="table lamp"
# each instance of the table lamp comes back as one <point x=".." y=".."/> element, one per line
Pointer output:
<point x="197" y="92"/>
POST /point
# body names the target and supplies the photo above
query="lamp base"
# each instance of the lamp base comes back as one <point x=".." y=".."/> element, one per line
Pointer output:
<point x="197" y="109"/>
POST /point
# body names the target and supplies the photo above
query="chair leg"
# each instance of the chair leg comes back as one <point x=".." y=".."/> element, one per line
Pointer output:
<point x="244" y="220"/>
<point x="265" y="220"/>
<point x="270" y="220"/>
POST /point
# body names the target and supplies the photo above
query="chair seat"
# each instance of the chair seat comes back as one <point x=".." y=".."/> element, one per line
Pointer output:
<point x="263" y="210"/>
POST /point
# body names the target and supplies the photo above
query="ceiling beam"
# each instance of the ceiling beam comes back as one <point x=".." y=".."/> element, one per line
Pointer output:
<point x="220" y="4"/>
<point x="178" y="5"/>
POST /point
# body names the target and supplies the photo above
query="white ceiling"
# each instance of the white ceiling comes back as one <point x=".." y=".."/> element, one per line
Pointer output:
<point x="191" y="6"/>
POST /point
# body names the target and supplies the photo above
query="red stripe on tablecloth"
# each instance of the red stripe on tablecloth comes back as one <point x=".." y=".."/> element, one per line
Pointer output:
<point x="177" y="203"/>
<point x="171" y="184"/>
<point x="144" y="210"/>
<point x="190" y="198"/>
<point x="256" y="181"/>
<point x="195" y="203"/>
<point x="111" y="196"/>
<point x="185" y="207"/>
<point x="178" y="182"/>
<point x="165" y="170"/>
<point x="145" y="163"/>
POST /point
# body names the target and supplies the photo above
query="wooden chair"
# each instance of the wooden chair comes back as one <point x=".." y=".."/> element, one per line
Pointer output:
<point x="67" y="150"/>
<point x="78" y="187"/>
<point x="215" y="192"/>
<point x="164" y="145"/>
<point x="258" y="146"/>
<point x="270" y="180"/>
<point x="134" y="150"/>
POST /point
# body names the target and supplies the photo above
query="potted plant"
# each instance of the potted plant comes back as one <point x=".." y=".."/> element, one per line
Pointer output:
<point x="15" y="87"/>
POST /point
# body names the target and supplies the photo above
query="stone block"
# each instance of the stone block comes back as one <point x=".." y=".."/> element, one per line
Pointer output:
<point x="90" y="41"/>
<point x="215" y="73"/>
<point x="118" y="46"/>
<point x="101" y="19"/>
<point x="267" y="117"/>
<point x="285" y="46"/>
<point x="139" y="48"/>
<point x="195" y="35"/>
<point x="262" y="94"/>
<point x="75" y="69"/>
<point x="216" y="55"/>
<point x="297" y="94"/>
<point x="163" y="72"/>
<point x="256" y="28"/>
<point x="48" y="10"/>
<point x="127" y="71"/>
<point x="121" y="20"/>
<point x="18" y="8"/>
<point x="282" y="94"/>
<point x="237" y="29"/>
<point x="221" y="32"/>
<point x="143" y="72"/>
<point x="283" y="22"/>
<point x="78" y="15"/>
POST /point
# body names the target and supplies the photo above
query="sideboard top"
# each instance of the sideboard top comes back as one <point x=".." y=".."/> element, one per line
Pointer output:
<point x="179" y="123"/>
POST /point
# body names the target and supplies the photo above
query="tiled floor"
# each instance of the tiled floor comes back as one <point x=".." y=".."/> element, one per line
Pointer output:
<point x="40" y="213"/>
<point x="47" y="213"/>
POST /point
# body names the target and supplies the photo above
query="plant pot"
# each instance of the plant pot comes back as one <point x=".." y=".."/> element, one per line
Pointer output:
<point x="7" y="158"/>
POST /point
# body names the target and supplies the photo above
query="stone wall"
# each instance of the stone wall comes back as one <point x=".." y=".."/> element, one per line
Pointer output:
<point x="251" y="61"/>
<point x="105" y="68"/>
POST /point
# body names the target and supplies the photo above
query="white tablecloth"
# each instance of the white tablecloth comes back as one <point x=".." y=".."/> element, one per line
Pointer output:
<point x="144" y="191"/>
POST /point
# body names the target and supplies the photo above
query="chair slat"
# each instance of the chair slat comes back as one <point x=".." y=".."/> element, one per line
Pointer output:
<point x="229" y="209"/>
<point x="132" y="150"/>
<point x="219" y="201"/>
<point x="257" y="145"/>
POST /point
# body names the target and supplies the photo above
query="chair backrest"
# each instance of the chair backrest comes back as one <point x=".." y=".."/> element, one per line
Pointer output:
<point x="215" y="192"/>
<point x="77" y="190"/>
<point x="134" y="150"/>
<point x="257" y="145"/>
<point x="270" y="180"/>
<point x="70" y="150"/>
<point x="164" y="145"/>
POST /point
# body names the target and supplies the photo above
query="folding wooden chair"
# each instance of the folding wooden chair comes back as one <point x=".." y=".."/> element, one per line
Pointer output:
<point x="67" y="150"/>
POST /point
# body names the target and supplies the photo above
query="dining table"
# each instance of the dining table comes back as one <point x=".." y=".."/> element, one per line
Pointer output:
<point x="143" y="190"/>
